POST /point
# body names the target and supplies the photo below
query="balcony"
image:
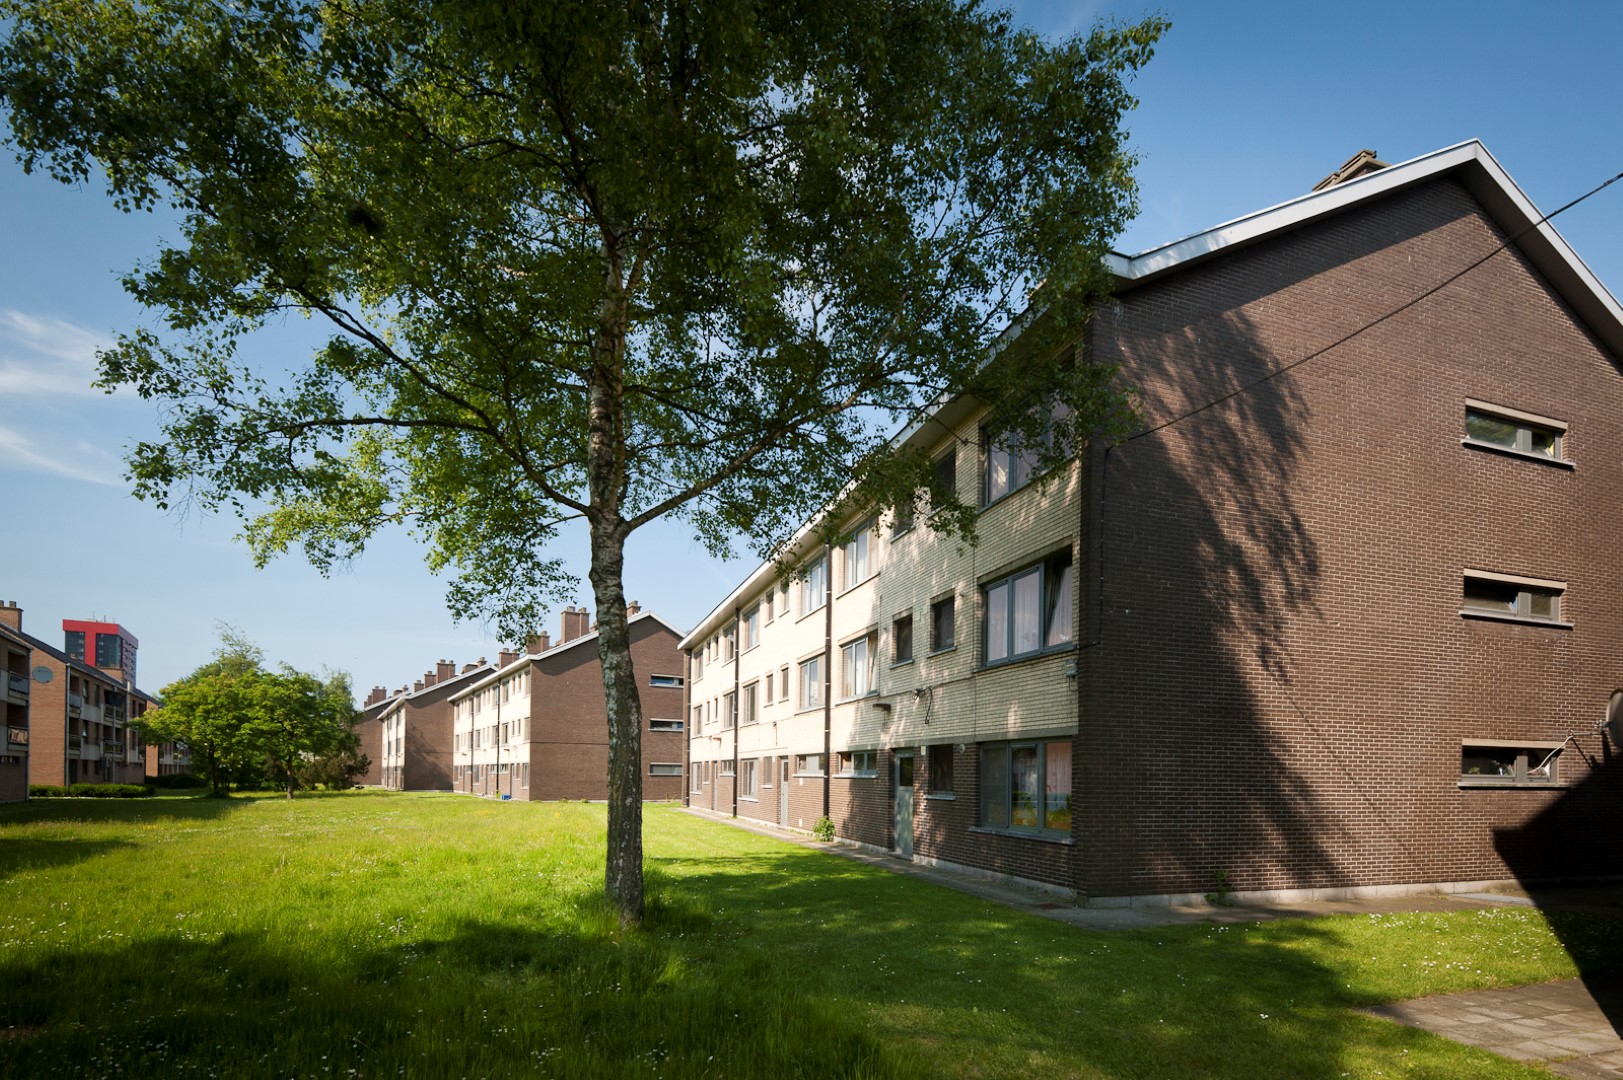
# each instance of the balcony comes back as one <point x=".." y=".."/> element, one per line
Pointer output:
<point x="73" y="745"/>
<point x="76" y="705"/>
<point x="112" y="751"/>
<point x="17" y="737"/>
<point x="17" y="687"/>
<point x="112" y="714"/>
<point x="89" y="749"/>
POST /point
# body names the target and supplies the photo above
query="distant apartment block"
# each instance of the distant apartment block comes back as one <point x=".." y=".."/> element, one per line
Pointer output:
<point x="537" y="729"/>
<point x="413" y="728"/>
<point x="18" y="690"/>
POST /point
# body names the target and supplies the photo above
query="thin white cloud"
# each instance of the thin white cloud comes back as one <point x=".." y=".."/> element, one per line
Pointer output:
<point x="45" y="356"/>
<point x="17" y="451"/>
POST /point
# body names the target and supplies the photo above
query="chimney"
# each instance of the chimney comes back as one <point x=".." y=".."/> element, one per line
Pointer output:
<point x="575" y="623"/>
<point x="505" y="657"/>
<point x="539" y="643"/>
<point x="418" y="687"/>
<point x="11" y="615"/>
<point x="633" y="608"/>
<point x="446" y="669"/>
<point x="1360" y="164"/>
<point x="429" y="678"/>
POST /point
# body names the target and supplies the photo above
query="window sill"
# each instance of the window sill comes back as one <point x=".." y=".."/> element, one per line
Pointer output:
<point x="856" y="776"/>
<point x="808" y="776"/>
<point x="941" y="796"/>
<point x="902" y="663"/>
<point x="1026" y="658"/>
<point x="1494" y="616"/>
<point x="856" y="698"/>
<point x="1500" y="783"/>
<point x="748" y="798"/>
<point x="1020" y="834"/>
<point x="804" y="615"/>
<point x="1508" y="451"/>
<point x="943" y="652"/>
<point x="809" y="709"/>
<point x="855" y="585"/>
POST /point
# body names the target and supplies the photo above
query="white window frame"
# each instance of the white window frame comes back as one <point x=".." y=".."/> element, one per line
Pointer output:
<point x="811" y="683"/>
<point x="857" y="667"/>
<point x="814" y="588"/>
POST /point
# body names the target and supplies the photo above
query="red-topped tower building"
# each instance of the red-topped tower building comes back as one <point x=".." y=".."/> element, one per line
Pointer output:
<point x="105" y="645"/>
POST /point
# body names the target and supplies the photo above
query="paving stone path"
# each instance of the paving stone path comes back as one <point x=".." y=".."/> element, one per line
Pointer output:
<point x="1568" y="1025"/>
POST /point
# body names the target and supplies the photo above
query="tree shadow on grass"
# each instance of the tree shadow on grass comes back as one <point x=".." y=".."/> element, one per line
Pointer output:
<point x="82" y="811"/>
<point x="19" y="856"/>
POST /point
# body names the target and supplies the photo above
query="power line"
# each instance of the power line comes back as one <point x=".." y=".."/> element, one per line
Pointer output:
<point x="1400" y="309"/>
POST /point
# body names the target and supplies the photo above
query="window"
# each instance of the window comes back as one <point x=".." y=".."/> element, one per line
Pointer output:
<point x="729" y="644"/>
<point x="902" y="520"/>
<point x="1488" y="595"/>
<point x="769" y="698"/>
<point x="856" y="667"/>
<point x="942" y="630"/>
<point x="750" y="781"/>
<point x="656" y="724"/>
<point x="1507" y="429"/>
<point x="783" y="683"/>
<point x="944" y="478"/>
<point x="698" y="777"/>
<point x="727" y="767"/>
<point x="1499" y="764"/>
<point x="859" y="763"/>
<point x="751" y="624"/>
<point x="1011" y="462"/>
<point x="1029" y="612"/>
<point x="666" y="682"/>
<point x="109" y="650"/>
<point x="751" y="712"/>
<point x="901" y="639"/>
<point x="1026" y="786"/>
<point x="766" y="604"/>
<point x="809" y="764"/>
<point x="854" y="557"/>
<point x="698" y="665"/>
<point x="74" y="640"/>
<point x="814" y="590"/>
<point x="941" y="769"/>
<point x="729" y="710"/>
<point x="655" y="768"/>
<point x="811" y="683"/>
<point x="698" y="718"/>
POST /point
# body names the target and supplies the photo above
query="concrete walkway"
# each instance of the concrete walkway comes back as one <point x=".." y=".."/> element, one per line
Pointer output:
<point x="1564" y="1025"/>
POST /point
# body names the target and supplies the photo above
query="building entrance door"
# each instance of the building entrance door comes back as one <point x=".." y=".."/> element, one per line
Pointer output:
<point x="783" y="790"/>
<point x="903" y="771"/>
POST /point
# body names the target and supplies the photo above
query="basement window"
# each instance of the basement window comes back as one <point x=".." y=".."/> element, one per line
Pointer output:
<point x="661" y="768"/>
<point x="1492" y="763"/>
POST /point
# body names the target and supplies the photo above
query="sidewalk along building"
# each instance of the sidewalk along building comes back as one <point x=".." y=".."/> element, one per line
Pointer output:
<point x="537" y="729"/>
<point x="18" y="674"/>
<point x="411" y="729"/>
<point x="79" y="715"/>
<point x="1344" y="610"/>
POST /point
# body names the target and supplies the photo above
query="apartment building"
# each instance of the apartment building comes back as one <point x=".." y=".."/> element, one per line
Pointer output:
<point x="18" y="674"/>
<point x="79" y="716"/>
<point x="368" y="729"/>
<point x="1343" y="616"/>
<point x="536" y="728"/>
<point x="413" y="728"/>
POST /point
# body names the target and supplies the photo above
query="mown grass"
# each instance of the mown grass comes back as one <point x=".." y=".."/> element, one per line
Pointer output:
<point x="374" y="935"/>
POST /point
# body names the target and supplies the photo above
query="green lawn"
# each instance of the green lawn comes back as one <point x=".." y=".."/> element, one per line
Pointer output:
<point x="375" y="935"/>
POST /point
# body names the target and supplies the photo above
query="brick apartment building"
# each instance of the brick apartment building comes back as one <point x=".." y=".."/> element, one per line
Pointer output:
<point x="1340" y="618"/>
<point x="368" y="729"/>
<point x="80" y="714"/>
<point x="411" y="729"/>
<point x="17" y="671"/>
<point x="536" y="728"/>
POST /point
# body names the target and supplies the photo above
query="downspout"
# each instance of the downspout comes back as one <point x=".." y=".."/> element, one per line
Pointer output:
<point x="828" y="670"/>
<point x="738" y="656"/>
<point x="687" y="726"/>
<point x="498" y="731"/>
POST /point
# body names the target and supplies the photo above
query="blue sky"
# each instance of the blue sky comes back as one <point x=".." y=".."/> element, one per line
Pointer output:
<point x="1244" y="106"/>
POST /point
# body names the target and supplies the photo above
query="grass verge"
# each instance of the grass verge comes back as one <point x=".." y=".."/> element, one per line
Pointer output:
<point x="374" y="935"/>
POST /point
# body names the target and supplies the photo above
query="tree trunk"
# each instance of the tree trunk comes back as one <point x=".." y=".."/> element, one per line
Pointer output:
<point x="622" y="875"/>
<point x="605" y="479"/>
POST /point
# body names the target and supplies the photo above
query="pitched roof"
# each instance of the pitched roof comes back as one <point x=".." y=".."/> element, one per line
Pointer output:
<point x="556" y="650"/>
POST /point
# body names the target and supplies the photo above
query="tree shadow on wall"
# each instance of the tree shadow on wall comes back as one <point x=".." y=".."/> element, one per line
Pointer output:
<point x="1577" y="838"/>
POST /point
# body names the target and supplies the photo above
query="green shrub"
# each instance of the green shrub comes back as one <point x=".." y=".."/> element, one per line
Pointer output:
<point x="176" y="780"/>
<point x="88" y="791"/>
<point x="823" y="830"/>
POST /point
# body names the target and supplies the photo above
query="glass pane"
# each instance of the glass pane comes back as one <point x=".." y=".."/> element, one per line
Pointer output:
<point x="1490" y="429"/>
<point x="1487" y="761"/>
<point x="904" y="770"/>
<point x="995" y="785"/>
<point x="1490" y="595"/>
<point x="1057" y="786"/>
<point x="1058" y="615"/>
<point x="1027" y="595"/>
<point x="1023" y="787"/>
<point x="1541" y="605"/>
<point x="1543" y="442"/>
<point x="997" y="622"/>
<point x="942" y="630"/>
<point x="997" y="474"/>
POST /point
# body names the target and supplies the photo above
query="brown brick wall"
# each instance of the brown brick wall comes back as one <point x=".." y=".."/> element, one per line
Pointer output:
<point x="47" y="725"/>
<point x="369" y="728"/>
<point x="14" y="782"/>
<point x="569" y="742"/>
<point x="1283" y="679"/>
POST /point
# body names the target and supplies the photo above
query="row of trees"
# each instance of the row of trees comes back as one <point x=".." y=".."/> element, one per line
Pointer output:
<point x="254" y="727"/>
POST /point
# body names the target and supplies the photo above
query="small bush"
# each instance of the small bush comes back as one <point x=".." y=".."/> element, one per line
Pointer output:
<point x="823" y="830"/>
<point x="88" y="791"/>
<point x="177" y="780"/>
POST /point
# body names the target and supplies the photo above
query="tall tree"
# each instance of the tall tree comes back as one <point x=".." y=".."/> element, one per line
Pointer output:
<point x="591" y="262"/>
